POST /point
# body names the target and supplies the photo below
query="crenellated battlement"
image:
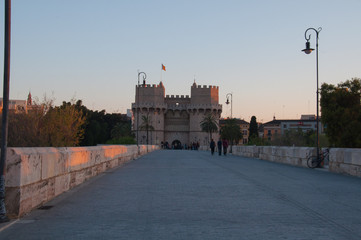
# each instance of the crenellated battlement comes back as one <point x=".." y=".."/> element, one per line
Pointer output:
<point x="205" y="86"/>
<point x="149" y="105"/>
<point x="150" y="86"/>
<point x="175" y="118"/>
<point x="177" y="97"/>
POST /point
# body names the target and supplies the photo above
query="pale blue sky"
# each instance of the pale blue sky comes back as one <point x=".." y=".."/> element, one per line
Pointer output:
<point x="91" y="50"/>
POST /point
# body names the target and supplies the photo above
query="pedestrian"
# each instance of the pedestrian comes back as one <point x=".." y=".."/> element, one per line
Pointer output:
<point x="212" y="145"/>
<point x="225" y="146"/>
<point x="219" y="145"/>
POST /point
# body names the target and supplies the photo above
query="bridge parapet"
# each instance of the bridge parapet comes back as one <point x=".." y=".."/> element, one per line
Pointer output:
<point x="346" y="161"/>
<point x="36" y="175"/>
<point x="296" y="156"/>
<point x="341" y="160"/>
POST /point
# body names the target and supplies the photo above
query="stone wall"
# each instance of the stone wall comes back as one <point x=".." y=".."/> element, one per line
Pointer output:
<point x="34" y="176"/>
<point x="345" y="161"/>
<point x="296" y="156"/>
<point x="341" y="160"/>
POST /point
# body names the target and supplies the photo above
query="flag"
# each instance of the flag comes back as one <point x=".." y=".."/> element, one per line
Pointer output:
<point x="163" y="67"/>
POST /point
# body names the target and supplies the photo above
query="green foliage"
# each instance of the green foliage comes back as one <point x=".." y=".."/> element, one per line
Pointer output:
<point x="209" y="124"/>
<point x="231" y="131"/>
<point x="255" y="140"/>
<point x="101" y="126"/>
<point x="63" y="126"/>
<point x="121" y="129"/>
<point x="293" y="138"/>
<point x="341" y="113"/>
<point x="70" y="124"/>
<point x="253" y="129"/>
<point x="299" y="138"/>
<point x="122" y="140"/>
<point x="146" y="125"/>
<point x="46" y="126"/>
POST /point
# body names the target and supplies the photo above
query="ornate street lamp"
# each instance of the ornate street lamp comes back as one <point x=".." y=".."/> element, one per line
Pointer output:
<point x="227" y="102"/>
<point x="308" y="50"/>
<point x="138" y="106"/>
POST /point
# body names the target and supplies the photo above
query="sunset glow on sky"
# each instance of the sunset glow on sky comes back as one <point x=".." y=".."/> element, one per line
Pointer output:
<point x="91" y="50"/>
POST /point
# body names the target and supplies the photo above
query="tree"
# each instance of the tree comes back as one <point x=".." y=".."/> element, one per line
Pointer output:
<point x="46" y="126"/>
<point x="146" y="125"/>
<point x="253" y="129"/>
<point x="121" y="129"/>
<point x="63" y="126"/>
<point x="209" y="124"/>
<point x="101" y="127"/>
<point x="341" y="113"/>
<point x="231" y="131"/>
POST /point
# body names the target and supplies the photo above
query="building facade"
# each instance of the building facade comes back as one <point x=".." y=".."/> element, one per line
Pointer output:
<point x="174" y="119"/>
<point x="276" y="127"/>
<point x="18" y="106"/>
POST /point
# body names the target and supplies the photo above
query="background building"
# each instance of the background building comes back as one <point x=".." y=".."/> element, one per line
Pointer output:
<point x="175" y="119"/>
<point x="278" y="127"/>
<point x="18" y="106"/>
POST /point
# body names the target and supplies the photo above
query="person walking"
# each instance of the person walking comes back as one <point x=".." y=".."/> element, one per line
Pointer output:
<point x="212" y="145"/>
<point x="219" y="145"/>
<point x="225" y="146"/>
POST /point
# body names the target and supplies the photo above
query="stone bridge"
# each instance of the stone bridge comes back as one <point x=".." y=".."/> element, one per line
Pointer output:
<point x="177" y="194"/>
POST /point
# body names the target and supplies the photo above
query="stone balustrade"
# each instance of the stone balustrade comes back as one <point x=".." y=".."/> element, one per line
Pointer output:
<point x="34" y="176"/>
<point x="296" y="156"/>
<point x="341" y="160"/>
<point x="345" y="161"/>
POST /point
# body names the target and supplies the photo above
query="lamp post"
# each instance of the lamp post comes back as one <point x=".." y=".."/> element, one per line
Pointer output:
<point x="4" y="133"/>
<point x="308" y="50"/>
<point x="227" y="102"/>
<point x="138" y="105"/>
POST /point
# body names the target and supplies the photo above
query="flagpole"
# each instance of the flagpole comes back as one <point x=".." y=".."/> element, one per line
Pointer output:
<point x="161" y="70"/>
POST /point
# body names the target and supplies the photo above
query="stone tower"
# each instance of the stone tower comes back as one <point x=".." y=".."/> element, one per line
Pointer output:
<point x="175" y="119"/>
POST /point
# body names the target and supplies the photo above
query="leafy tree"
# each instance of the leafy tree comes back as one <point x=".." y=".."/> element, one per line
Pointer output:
<point x="122" y="140"/>
<point x="293" y="138"/>
<point x="258" y="141"/>
<point x="209" y="124"/>
<point x="341" y="113"/>
<point x="253" y="128"/>
<point x="231" y="131"/>
<point x="146" y="125"/>
<point x="121" y="129"/>
<point x="100" y="126"/>
<point x="46" y="126"/>
<point x="299" y="138"/>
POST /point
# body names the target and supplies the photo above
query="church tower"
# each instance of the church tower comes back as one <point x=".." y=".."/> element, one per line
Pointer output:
<point x="29" y="102"/>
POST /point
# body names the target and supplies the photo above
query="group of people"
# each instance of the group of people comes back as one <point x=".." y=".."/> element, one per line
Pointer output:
<point x="191" y="146"/>
<point x="220" y="144"/>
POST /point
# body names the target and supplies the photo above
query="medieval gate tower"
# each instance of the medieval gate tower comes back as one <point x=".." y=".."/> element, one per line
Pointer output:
<point x="175" y="119"/>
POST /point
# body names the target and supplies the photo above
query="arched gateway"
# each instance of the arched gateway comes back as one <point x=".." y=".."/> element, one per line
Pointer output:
<point x="175" y="119"/>
<point x="176" y="144"/>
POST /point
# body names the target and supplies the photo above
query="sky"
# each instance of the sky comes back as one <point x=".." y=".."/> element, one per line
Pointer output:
<point x="92" y="50"/>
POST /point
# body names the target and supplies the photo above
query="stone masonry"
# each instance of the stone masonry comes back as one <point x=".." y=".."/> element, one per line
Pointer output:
<point x="34" y="176"/>
<point x="175" y="119"/>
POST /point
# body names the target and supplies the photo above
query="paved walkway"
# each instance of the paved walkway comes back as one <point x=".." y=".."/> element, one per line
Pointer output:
<point x="193" y="195"/>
